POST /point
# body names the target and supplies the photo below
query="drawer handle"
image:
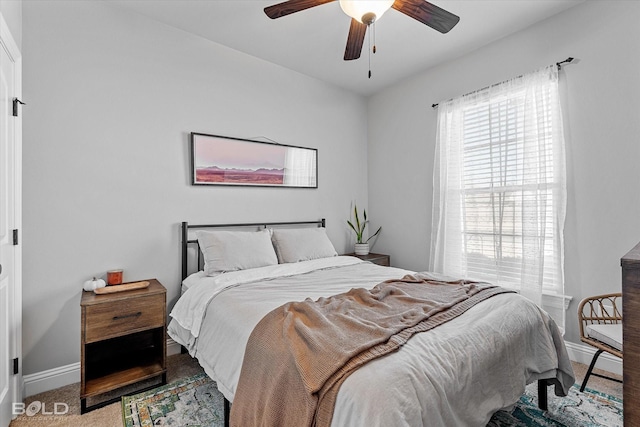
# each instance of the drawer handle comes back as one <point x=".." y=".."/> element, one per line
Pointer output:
<point x="126" y="316"/>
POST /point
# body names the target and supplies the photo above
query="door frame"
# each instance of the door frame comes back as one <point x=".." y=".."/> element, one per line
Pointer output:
<point x="17" y="382"/>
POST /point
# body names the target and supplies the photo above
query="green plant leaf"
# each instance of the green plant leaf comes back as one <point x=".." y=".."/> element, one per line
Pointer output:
<point x="358" y="234"/>
<point x="374" y="234"/>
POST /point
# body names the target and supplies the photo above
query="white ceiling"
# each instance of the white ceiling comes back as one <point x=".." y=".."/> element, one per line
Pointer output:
<point x="312" y="41"/>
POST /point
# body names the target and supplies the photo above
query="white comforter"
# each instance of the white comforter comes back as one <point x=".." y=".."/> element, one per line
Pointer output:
<point x="455" y="375"/>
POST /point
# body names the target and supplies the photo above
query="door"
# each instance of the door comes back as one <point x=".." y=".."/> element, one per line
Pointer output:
<point x="10" y="300"/>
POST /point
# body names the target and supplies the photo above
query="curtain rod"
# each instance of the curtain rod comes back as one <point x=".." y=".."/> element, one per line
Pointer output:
<point x="558" y="64"/>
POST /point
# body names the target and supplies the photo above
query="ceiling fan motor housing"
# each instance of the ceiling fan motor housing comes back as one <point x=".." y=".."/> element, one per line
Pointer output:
<point x="369" y="18"/>
<point x="365" y="11"/>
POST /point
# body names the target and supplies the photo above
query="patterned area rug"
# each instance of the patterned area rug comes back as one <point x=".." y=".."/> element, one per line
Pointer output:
<point x="195" y="401"/>
<point x="588" y="409"/>
<point x="192" y="401"/>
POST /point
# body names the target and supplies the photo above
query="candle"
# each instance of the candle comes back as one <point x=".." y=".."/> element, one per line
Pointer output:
<point x="114" y="277"/>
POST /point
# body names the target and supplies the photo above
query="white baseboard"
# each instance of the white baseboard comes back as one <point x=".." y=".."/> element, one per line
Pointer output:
<point x="172" y="347"/>
<point x="69" y="374"/>
<point x="583" y="354"/>
<point x="51" y="378"/>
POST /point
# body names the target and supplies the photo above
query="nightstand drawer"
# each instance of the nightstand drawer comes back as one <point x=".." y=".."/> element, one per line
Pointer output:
<point x="114" y="319"/>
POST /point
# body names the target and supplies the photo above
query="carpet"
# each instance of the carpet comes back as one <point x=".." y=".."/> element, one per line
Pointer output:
<point x="195" y="401"/>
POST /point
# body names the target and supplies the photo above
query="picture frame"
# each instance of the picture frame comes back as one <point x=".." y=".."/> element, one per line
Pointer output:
<point x="229" y="161"/>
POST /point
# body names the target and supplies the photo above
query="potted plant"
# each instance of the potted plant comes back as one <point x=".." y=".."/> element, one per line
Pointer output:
<point x="361" y="246"/>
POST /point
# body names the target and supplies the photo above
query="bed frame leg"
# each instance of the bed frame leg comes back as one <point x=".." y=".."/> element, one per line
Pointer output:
<point x="542" y="394"/>
<point x="227" y="411"/>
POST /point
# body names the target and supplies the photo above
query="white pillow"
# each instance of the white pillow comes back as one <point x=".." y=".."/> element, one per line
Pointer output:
<point x="302" y="244"/>
<point x="235" y="250"/>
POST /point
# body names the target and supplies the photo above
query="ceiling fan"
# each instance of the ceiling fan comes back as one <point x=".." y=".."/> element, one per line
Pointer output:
<point x="363" y="13"/>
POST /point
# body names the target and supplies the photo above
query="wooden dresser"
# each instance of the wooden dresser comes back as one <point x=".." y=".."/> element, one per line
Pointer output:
<point x="122" y="341"/>
<point x="631" y="336"/>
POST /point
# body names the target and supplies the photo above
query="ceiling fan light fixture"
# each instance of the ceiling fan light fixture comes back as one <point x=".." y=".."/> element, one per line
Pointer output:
<point x="361" y="10"/>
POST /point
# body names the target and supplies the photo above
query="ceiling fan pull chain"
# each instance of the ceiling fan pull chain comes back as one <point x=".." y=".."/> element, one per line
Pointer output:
<point x="369" y="50"/>
<point x="374" y="36"/>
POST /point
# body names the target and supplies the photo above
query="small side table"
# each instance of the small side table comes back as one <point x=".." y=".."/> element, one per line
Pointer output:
<point x="122" y="340"/>
<point x="380" y="259"/>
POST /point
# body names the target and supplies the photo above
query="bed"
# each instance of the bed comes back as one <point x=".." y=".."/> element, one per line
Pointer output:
<point x="459" y="373"/>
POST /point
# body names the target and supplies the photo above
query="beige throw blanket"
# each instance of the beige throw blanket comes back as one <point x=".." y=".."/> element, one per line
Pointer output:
<point x="299" y="354"/>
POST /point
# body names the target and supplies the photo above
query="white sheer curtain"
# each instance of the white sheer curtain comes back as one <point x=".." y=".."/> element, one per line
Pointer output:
<point x="499" y="195"/>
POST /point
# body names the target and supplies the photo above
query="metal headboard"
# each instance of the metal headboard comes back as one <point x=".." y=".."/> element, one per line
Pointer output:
<point x="185" y="241"/>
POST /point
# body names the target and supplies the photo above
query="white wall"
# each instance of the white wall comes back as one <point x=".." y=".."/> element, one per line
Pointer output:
<point x="111" y="98"/>
<point x="601" y="98"/>
<point x="11" y="11"/>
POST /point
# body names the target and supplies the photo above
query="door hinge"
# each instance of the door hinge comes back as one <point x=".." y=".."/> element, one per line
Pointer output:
<point x="16" y="101"/>
<point x="15" y="366"/>
<point x="15" y="237"/>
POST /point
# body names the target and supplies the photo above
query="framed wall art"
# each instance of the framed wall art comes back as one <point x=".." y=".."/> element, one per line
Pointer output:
<point x="223" y="160"/>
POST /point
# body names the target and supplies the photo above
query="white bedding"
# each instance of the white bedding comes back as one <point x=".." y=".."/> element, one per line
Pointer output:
<point x="455" y="375"/>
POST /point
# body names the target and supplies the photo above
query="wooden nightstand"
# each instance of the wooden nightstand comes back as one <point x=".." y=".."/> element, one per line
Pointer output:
<point x="379" y="259"/>
<point x="122" y="340"/>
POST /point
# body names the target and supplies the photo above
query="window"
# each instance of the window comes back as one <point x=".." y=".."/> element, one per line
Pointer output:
<point x="499" y="186"/>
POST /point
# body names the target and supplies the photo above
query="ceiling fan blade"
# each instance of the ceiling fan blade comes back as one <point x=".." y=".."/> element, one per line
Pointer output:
<point x="292" y="6"/>
<point x="427" y="13"/>
<point x="355" y="40"/>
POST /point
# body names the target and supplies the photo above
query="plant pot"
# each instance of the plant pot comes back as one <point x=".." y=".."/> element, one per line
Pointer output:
<point x="361" y="248"/>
